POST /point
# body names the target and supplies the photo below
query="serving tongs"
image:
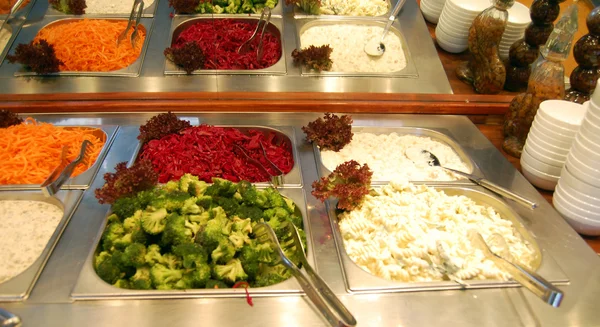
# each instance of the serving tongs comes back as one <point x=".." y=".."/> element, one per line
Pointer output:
<point x="134" y="19"/>
<point x="63" y="171"/>
<point x="523" y="275"/>
<point x="315" y="288"/>
<point x="12" y="12"/>
<point x="8" y="319"/>
<point x="276" y="180"/>
<point x="246" y="46"/>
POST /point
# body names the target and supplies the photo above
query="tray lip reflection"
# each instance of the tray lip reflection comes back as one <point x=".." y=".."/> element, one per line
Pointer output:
<point x="293" y="179"/>
<point x="148" y="12"/>
<point x="84" y="180"/>
<point x="438" y="134"/>
<point x="351" y="272"/>
<point x="410" y="71"/>
<point x="132" y="70"/>
<point x="90" y="287"/>
<point x="299" y="14"/>
<point x="279" y="68"/>
<point x="20" y="286"/>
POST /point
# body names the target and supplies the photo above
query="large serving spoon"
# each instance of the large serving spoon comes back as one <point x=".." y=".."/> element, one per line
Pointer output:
<point x="375" y="47"/>
<point x="415" y="154"/>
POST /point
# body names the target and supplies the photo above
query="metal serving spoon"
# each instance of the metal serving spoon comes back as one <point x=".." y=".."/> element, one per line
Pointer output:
<point x="417" y="154"/>
<point x="375" y="47"/>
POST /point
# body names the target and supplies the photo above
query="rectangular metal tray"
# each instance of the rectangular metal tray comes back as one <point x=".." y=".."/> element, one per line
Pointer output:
<point x="437" y="134"/>
<point x="410" y="71"/>
<point x="28" y="32"/>
<point x="90" y="287"/>
<point x="291" y="179"/>
<point x="181" y="22"/>
<point x="84" y="180"/>
<point x="298" y="13"/>
<point x="149" y="11"/>
<point x="19" y="287"/>
<point x="358" y="280"/>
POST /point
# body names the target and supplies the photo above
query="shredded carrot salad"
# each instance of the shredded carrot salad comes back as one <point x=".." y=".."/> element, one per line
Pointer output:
<point x="30" y="151"/>
<point x="91" y="44"/>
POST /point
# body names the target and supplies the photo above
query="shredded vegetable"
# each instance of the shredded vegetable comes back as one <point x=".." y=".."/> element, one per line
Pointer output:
<point x="30" y="151"/>
<point x="91" y="44"/>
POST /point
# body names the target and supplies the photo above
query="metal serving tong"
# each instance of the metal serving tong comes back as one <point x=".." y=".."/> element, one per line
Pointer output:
<point x="315" y="288"/>
<point x="8" y="319"/>
<point x="532" y="281"/>
<point x="134" y="19"/>
<point x="63" y="171"/>
<point x="277" y="179"/>
<point x="246" y="46"/>
<point x="12" y="12"/>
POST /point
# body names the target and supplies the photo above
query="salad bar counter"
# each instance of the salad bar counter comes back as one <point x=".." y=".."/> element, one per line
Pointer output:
<point x="384" y="266"/>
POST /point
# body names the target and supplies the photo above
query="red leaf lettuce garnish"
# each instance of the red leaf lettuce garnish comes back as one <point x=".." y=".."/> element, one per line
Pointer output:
<point x="349" y="183"/>
<point x="312" y="7"/>
<point x="74" y="7"/>
<point x="190" y="56"/>
<point x="317" y="58"/>
<point x="127" y="181"/>
<point x="333" y="133"/>
<point x="39" y="57"/>
<point x="9" y="118"/>
<point x="245" y="285"/>
<point x="161" y="125"/>
<point x="184" y="6"/>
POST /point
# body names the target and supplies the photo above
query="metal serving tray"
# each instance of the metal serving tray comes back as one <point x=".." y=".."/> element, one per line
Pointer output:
<point x="277" y="11"/>
<point x="90" y="287"/>
<point x="286" y="134"/>
<point x="440" y="135"/>
<point x="19" y="287"/>
<point x="83" y="180"/>
<point x="149" y="11"/>
<point x="181" y="22"/>
<point x="21" y="13"/>
<point x="299" y="13"/>
<point x="30" y="31"/>
<point x="410" y="71"/>
<point x="359" y="280"/>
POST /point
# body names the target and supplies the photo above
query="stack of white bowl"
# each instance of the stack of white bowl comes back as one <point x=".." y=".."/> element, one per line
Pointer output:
<point x="549" y="140"/>
<point x="452" y="31"/>
<point x="432" y="9"/>
<point x="577" y="196"/>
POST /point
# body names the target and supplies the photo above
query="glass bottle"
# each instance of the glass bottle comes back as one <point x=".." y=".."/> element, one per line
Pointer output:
<point x="546" y="82"/>
<point x="485" y="71"/>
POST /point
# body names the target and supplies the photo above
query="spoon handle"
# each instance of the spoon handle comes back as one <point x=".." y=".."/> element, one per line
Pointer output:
<point x="392" y="17"/>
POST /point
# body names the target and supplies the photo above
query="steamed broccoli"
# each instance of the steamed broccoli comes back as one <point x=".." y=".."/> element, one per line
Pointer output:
<point x="153" y="255"/>
<point x="271" y="3"/>
<point x="190" y="206"/>
<point x="215" y="230"/>
<point x="277" y="213"/>
<point x="217" y="213"/>
<point x="122" y="283"/>
<point x="195" y="278"/>
<point x="141" y="279"/>
<point x="193" y="254"/>
<point x="132" y="222"/>
<point x="222" y="187"/>
<point x="224" y="251"/>
<point x="174" y="200"/>
<point x="164" y="278"/>
<point x="145" y="197"/>
<point x="238" y="239"/>
<point x="171" y="261"/>
<point x="247" y="6"/>
<point x="153" y="220"/>
<point x="270" y="275"/>
<point x="126" y="207"/>
<point x="242" y="225"/>
<point x="229" y="205"/>
<point x="123" y="242"/>
<point x="205" y="201"/>
<point x="192" y="185"/>
<point x="175" y="231"/>
<point x="109" y="272"/>
<point x="274" y="198"/>
<point x="250" y="195"/>
<point x="212" y="283"/>
<point x="113" y="218"/>
<point x="254" y="213"/>
<point x="290" y="205"/>
<point x="231" y="272"/>
<point x="135" y="255"/>
<point x="201" y="219"/>
<point x="171" y="186"/>
<point x="113" y="233"/>
<point x="98" y="259"/>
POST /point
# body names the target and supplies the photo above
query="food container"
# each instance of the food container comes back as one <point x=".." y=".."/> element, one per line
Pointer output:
<point x="299" y="13"/>
<point x="359" y="280"/>
<point x="410" y="71"/>
<point x="90" y="287"/>
<point x="285" y="134"/>
<point x="147" y="12"/>
<point x="436" y="134"/>
<point x="29" y="32"/>
<point x="83" y="180"/>
<point x="19" y="287"/>
<point x="181" y="22"/>
<point x="277" y="11"/>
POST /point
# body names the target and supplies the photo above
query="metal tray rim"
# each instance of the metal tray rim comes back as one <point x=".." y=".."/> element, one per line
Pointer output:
<point x="148" y="12"/>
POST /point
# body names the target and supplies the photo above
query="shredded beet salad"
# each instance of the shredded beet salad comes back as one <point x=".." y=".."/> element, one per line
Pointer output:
<point x="220" y="40"/>
<point x="207" y="151"/>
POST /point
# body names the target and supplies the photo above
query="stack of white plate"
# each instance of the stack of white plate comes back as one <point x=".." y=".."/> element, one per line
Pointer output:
<point x="452" y="31"/>
<point x="518" y="20"/>
<point x="432" y="9"/>
<point x="549" y="140"/>
<point x="577" y="196"/>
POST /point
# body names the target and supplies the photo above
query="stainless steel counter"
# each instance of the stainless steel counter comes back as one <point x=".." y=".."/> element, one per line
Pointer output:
<point x="426" y="74"/>
<point x="51" y="302"/>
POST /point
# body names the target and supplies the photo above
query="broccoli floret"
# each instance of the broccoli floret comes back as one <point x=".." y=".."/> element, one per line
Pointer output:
<point x="193" y="254"/>
<point x="164" y="278"/>
<point x="119" y="260"/>
<point x="270" y="275"/>
<point x="242" y="225"/>
<point x="222" y="187"/>
<point x="123" y="242"/>
<point x="197" y="188"/>
<point x="277" y="213"/>
<point x="274" y="197"/>
<point x="254" y="213"/>
<point x="201" y="219"/>
<point x="139" y="236"/>
<point x="154" y="221"/>
<point x="175" y="231"/>
<point x="109" y="272"/>
<point x="171" y="261"/>
<point x="193" y="228"/>
<point x="113" y="218"/>
<point x="133" y="222"/>
<point x="135" y="255"/>
<point x="238" y="239"/>
<point x="145" y="197"/>
<point x="122" y="283"/>
<point x="175" y="200"/>
<point x="218" y="9"/>
<point x="126" y="207"/>
<point x="289" y="205"/>
<point x="217" y="213"/>
<point x="112" y="233"/>
<point x="224" y="251"/>
<point x="171" y="186"/>
<point x="229" y="205"/>
<point x="247" y="6"/>
<point x="258" y="7"/>
<point x="212" y="283"/>
<point x="188" y="180"/>
<point x="249" y="259"/>
<point x="271" y="3"/>
<point x="201" y="275"/>
<point x="185" y="282"/>
<point x="230" y="272"/>
<point x="141" y="280"/>
<point x="153" y="255"/>
<point x="249" y="194"/>
<point x="214" y="232"/>
<point x="190" y="206"/>
<point x="297" y="221"/>
<point x="98" y="259"/>
<point x="205" y="201"/>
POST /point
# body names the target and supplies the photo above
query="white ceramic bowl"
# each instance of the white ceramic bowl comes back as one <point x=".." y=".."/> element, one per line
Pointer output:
<point x="593" y="107"/>
<point x="583" y="139"/>
<point x="590" y="130"/>
<point x="553" y="133"/>
<point x="453" y="30"/>
<point x="432" y="6"/>
<point x="533" y="151"/>
<point x="567" y="187"/>
<point x="476" y="6"/>
<point x="586" y="156"/>
<point x="593" y="117"/>
<point x="540" y="165"/>
<point x="440" y="33"/>
<point x="580" y="224"/>
<point x="567" y="176"/>
<point x="547" y="153"/>
<point x="456" y="20"/>
<point x="430" y="17"/>
<point x="542" y="120"/>
<point x="539" y="178"/>
<point x="548" y="136"/>
<point x="580" y="170"/>
<point x="451" y="47"/>
<point x="595" y="98"/>
<point x="579" y="199"/>
<point x="569" y="203"/>
<point x="454" y="9"/>
<point x="565" y="114"/>
<point x="547" y="144"/>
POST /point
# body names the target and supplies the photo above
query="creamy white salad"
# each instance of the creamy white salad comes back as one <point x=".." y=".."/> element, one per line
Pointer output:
<point x="348" y="42"/>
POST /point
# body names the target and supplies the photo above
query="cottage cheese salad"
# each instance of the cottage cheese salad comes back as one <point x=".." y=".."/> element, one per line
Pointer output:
<point x="354" y="7"/>
<point x="386" y="156"/>
<point x="348" y="42"/>
<point x="407" y="231"/>
<point x="112" y="6"/>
